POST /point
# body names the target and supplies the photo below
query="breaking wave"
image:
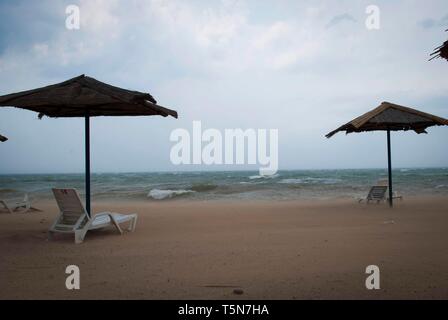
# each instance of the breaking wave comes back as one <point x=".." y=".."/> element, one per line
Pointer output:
<point x="158" y="194"/>
<point x="310" y="180"/>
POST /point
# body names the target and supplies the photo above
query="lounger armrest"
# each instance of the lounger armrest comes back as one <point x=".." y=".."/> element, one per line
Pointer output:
<point x="102" y="214"/>
<point x="114" y="214"/>
<point x="117" y="218"/>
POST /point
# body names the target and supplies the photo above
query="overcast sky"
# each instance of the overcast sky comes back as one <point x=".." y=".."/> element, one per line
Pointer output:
<point x="303" y="67"/>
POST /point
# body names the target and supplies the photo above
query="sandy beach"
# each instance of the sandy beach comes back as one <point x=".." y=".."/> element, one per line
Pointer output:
<point x="203" y="250"/>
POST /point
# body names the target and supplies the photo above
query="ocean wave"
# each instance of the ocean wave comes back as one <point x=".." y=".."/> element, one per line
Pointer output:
<point x="310" y="180"/>
<point x="272" y="176"/>
<point x="158" y="194"/>
<point x="171" y="186"/>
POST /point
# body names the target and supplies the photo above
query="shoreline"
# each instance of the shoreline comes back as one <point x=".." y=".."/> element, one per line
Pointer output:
<point x="329" y="201"/>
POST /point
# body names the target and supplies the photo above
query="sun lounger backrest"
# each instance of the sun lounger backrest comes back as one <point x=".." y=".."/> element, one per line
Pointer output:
<point x="70" y="206"/>
<point x="377" y="193"/>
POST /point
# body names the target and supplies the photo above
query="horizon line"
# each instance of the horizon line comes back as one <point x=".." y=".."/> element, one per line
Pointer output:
<point x="209" y="171"/>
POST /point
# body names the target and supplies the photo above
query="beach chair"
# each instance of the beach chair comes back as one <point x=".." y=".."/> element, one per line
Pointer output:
<point x="18" y="206"/>
<point x="379" y="194"/>
<point x="73" y="218"/>
<point x="376" y="193"/>
<point x="384" y="182"/>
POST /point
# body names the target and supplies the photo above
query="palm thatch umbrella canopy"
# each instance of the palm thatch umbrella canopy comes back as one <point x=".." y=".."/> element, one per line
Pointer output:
<point x="441" y="51"/>
<point x="391" y="117"/>
<point x="85" y="97"/>
<point x="3" y="138"/>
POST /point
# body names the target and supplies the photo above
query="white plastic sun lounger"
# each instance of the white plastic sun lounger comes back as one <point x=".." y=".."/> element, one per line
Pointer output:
<point x="73" y="218"/>
<point x="395" y="194"/>
<point x="18" y="206"/>
<point x="376" y="193"/>
<point x="379" y="194"/>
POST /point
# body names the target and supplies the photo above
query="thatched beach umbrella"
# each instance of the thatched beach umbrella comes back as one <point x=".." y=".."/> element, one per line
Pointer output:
<point x="85" y="97"/>
<point x="391" y="117"/>
<point x="3" y="138"/>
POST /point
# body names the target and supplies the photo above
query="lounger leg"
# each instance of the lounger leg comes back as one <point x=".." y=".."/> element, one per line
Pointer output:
<point x="112" y="218"/>
<point x="27" y="207"/>
<point x="22" y="208"/>
<point x="133" y="224"/>
<point x="6" y="206"/>
<point x="80" y="235"/>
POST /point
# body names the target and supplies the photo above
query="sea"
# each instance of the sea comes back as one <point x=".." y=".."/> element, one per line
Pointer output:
<point x="229" y="185"/>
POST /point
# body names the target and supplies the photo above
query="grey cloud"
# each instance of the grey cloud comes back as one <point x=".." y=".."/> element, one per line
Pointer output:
<point x="432" y="23"/>
<point x="339" y="19"/>
<point x="173" y="49"/>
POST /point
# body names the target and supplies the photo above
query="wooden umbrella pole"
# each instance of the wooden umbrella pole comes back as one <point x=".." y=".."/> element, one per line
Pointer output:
<point x="87" y="154"/>
<point x="389" y="163"/>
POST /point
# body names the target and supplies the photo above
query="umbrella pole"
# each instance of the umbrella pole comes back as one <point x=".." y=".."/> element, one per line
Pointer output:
<point x="87" y="154"/>
<point x="389" y="164"/>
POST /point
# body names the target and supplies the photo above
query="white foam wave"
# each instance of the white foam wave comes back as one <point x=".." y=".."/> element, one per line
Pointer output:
<point x="159" y="194"/>
<point x="309" y="181"/>
<point x="272" y="176"/>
